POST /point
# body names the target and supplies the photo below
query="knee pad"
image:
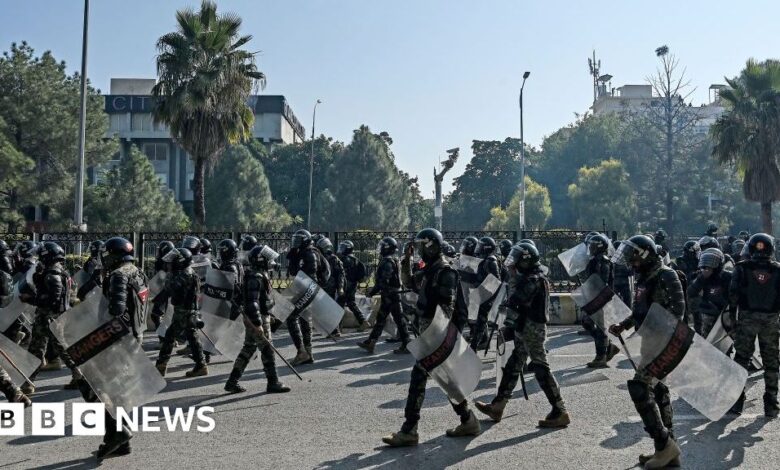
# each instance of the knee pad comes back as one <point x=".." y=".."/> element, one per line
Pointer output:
<point x="639" y="391"/>
<point x="661" y="393"/>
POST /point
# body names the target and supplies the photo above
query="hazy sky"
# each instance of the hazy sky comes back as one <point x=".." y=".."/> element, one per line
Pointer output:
<point x="435" y="74"/>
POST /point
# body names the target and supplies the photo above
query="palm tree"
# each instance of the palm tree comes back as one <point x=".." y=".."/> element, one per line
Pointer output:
<point x="204" y="80"/>
<point x="747" y="135"/>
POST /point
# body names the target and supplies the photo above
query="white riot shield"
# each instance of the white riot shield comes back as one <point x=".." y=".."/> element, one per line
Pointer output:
<point x="107" y="354"/>
<point x="495" y="315"/>
<point x="224" y="333"/>
<point x="282" y="305"/>
<point x="443" y="352"/>
<point x="504" y="351"/>
<point x="313" y="303"/>
<point x="201" y="264"/>
<point x="14" y="310"/>
<point x="719" y="338"/>
<point x="575" y="259"/>
<point x="598" y="301"/>
<point x="467" y="266"/>
<point x="409" y="299"/>
<point x="15" y="360"/>
<point x="696" y="370"/>
<point x="481" y="294"/>
<point x="81" y="277"/>
<point x="157" y="284"/>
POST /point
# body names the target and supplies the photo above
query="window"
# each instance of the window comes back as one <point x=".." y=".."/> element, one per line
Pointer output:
<point x="191" y="181"/>
<point x="142" y="122"/>
<point x="116" y="157"/>
<point x="117" y="123"/>
<point x="163" y="177"/>
<point x="156" y="151"/>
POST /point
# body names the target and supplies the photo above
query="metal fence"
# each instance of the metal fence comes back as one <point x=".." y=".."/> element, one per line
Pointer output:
<point x="549" y="243"/>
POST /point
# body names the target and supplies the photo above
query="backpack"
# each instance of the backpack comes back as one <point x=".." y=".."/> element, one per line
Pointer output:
<point x="358" y="272"/>
<point x="323" y="268"/>
<point x="138" y="306"/>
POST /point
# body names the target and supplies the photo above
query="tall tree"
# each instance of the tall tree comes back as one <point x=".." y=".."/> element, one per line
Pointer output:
<point x="39" y="103"/>
<point x="537" y="209"/>
<point x="238" y="195"/>
<point x="204" y="80"/>
<point x="14" y="168"/>
<point x="130" y="196"/>
<point x="747" y="135"/>
<point x="604" y="192"/>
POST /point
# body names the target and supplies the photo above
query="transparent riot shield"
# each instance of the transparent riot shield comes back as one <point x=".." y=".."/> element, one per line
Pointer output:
<point x="314" y="304"/>
<point x="575" y="259"/>
<point x="282" y="305"/>
<point x="15" y="309"/>
<point x="722" y="340"/>
<point x="696" y="370"/>
<point x="107" y="354"/>
<point x="157" y="284"/>
<point x="504" y="350"/>
<point x="226" y="334"/>
<point x="15" y="360"/>
<point x="598" y="301"/>
<point x="201" y="264"/>
<point x="467" y="267"/>
<point x="81" y="277"/>
<point x="443" y="352"/>
<point x="481" y="294"/>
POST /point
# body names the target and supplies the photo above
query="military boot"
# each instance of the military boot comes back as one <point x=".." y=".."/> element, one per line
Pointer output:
<point x="644" y="458"/>
<point x="557" y="418"/>
<point x="600" y="362"/>
<point x="665" y="456"/>
<point x="20" y="397"/>
<point x="54" y="364"/>
<point x="737" y="407"/>
<point x="72" y="385"/>
<point x="402" y="439"/>
<point x="494" y="410"/>
<point x="311" y="356"/>
<point x="232" y="386"/>
<point x="28" y="388"/>
<point x="401" y="349"/>
<point x="161" y="367"/>
<point x="770" y="406"/>
<point x="274" y="386"/>
<point x="612" y="352"/>
<point x="198" y="371"/>
<point x="302" y="357"/>
<point x="364" y="326"/>
<point x="470" y="427"/>
<point x="368" y="345"/>
<point x="114" y="443"/>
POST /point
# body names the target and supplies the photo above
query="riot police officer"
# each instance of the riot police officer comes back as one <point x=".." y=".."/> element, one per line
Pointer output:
<point x="601" y="266"/>
<point x="257" y="303"/>
<point x="622" y="278"/>
<point x="486" y="248"/>
<point x="182" y="287"/>
<point x="227" y="252"/>
<point x="755" y="290"/>
<point x="468" y="246"/>
<point x="526" y="325"/>
<point x="436" y="285"/>
<point x="354" y="273"/>
<point x="655" y="283"/>
<point x="205" y="250"/>
<point x="7" y="387"/>
<point x="192" y="244"/>
<point x="387" y="283"/>
<point x="94" y="268"/>
<point x="712" y="283"/>
<point x="335" y="285"/>
<point x="160" y="303"/>
<point x="23" y="259"/>
<point x="688" y="264"/>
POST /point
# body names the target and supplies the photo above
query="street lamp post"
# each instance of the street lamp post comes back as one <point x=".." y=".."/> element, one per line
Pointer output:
<point x="78" y="216"/>
<point x="311" y="162"/>
<point x="522" y="158"/>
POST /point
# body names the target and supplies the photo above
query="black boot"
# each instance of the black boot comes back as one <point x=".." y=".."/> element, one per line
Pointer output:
<point x="274" y="386"/>
<point x="232" y="386"/>
<point x="113" y="443"/>
<point x="737" y="407"/>
<point x="770" y="406"/>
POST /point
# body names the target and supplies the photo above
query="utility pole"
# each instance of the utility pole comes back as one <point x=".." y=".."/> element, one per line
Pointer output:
<point x="437" y="179"/>
<point x="311" y="163"/>
<point x="522" y="158"/>
<point x="79" y="212"/>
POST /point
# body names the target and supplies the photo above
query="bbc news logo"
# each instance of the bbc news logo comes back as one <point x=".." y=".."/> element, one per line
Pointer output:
<point x="88" y="419"/>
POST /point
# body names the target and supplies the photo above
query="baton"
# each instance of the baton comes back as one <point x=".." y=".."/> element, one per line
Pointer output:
<point x="501" y="339"/>
<point x="268" y="342"/>
<point x="5" y="356"/>
<point x="625" y="349"/>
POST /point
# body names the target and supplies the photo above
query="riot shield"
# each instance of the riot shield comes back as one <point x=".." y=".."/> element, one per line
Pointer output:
<point x="575" y="259"/>
<point x="504" y="350"/>
<point x="14" y="310"/>
<point x="224" y="333"/>
<point x="697" y="371"/>
<point x="314" y="304"/>
<point x="107" y="354"/>
<point x="598" y="301"/>
<point x="467" y="267"/>
<point x="15" y="360"/>
<point x="157" y="284"/>
<point x="481" y="294"/>
<point x="443" y="352"/>
<point x="722" y="340"/>
<point x="282" y="305"/>
<point x="201" y="264"/>
<point x="81" y="277"/>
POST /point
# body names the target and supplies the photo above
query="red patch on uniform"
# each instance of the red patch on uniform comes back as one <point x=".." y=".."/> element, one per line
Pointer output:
<point x="143" y="295"/>
<point x="761" y="276"/>
<point x="640" y="293"/>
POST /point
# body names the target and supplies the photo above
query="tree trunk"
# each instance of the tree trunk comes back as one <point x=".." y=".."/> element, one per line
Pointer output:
<point x="199" y="199"/>
<point x="13" y="202"/>
<point x="766" y="217"/>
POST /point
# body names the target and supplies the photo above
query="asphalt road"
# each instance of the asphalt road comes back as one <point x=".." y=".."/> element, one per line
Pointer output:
<point x="336" y="420"/>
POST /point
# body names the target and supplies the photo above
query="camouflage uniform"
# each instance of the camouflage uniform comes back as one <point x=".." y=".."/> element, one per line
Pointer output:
<point x="754" y="288"/>
<point x="182" y="287"/>
<point x="347" y="299"/>
<point x="7" y="387"/>
<point x="387" y="284"/>
<point x="602" y="267"/>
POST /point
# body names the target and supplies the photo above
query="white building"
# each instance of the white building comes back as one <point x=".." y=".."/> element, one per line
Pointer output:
<point x="129" y="106"/>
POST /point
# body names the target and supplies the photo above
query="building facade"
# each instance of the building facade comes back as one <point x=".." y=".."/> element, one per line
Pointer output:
<point x="129" y="107"/>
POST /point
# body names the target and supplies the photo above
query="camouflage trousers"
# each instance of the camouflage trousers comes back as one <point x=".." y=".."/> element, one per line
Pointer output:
<point x="252" y="343"/>
<point x="7" y="387"/>
<point x="43" y="338"/>
<point x="416" y="395"/>
<point x="529" y="341"/>
<point x="348" y="300"/>
<point x="300" y="331"/>
<point x="707" y="322"/>
<point x="392" y="308"/>
<point x="181" y="323"/>
<point x="600" y="339"/>
<point x="764" y="326"/>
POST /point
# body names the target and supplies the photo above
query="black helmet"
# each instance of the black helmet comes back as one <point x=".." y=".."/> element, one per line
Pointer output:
<point x="449" y="251"/>
<point x="761" y="246"/>
<point x="660" y="236"/>
<point x="708" y="242"/>
<point x="691" y="248"/>
<point x="301" y="239"/>
<point x="504" y="246"/>
<point x="387" y="246"/>
<point x="51" y="253"/>
<point x="523" y="256"/>
<point x="485" y="247"/>
<point x="95" y="248"/>
<point x="744" y="235"/>
<point x="529" y="241"/>
<point x="325" y="245"/>
<point x="115" y="251"/>
<point x="191" y="243"/>
<point x="248" y="242"/>
<point x="346" y="248"/>
<point x="639" y="251"/>
<point x="4" y="249"/>
<point x="164" y="248"/>
<point x="586" y="237"/>
<point x="711" y="258"/>
<point x="468" y="246"/>
<point x="205" y="246"/>
<point x="737" y="247"/>
<point x="428" y="243"/>
<point x="227" y="250"/>
<point x="712" y="229"/>
<point x="598" y="244"/>
<point x="262" y="257"/>
<point x="26" y="249"/>
<point x="180" y="258"/>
